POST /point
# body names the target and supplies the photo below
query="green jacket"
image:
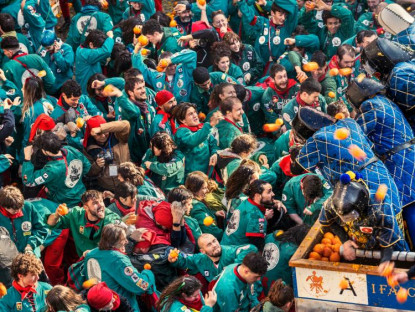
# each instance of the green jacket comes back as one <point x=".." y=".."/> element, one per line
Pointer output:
<point x="328" y="84"/>
<point x="234" y="71"/>
<point x="250" y="63"/>
<point x="13" y="302"/>
<point x="282" y="145"/>
<point x="88" y="19"/>
<point x="115" y="269"/>
<point x="26" y="230"/>
<point x="77" y="222"/>
<point x="18" y="73"/>
<point x="177" y="306"/>
<point x="169" y="41"/>
<point x="244" y="124"/>
<point x="253" y="111"/>
<point x="25" y="45"/>
<point x="197" y="147"/>
<point x="167" y="175"/>
<point x="62" y="176"/>
<point x="294" y="201"/>
<point x="234" y="294"/>
<point x="89" y="61"/>
<point x="329" y="43"/>
<point x="180" y="85"/>
<point x="116" y="10"/>
<point x="199" y="212"/>
<point x="159" y="125"/>
<point x="290" y="110"/>
<point x="277" y="254"/>
<point x="149" y="191"/>
<point x="247" y="221"/>
<point x="282" y="170"/>
<point x="201" y="263"/>
<point x="227" y="132"/>
<point x="148" y="8"/>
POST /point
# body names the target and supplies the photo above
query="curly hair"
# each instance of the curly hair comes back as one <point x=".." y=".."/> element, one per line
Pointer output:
<point x="24" y="264"/>
<point x="163" y="142"/>
<point x="244" y="143"/>
<point x="131" y="173"/>
<point x="11" y="198"/>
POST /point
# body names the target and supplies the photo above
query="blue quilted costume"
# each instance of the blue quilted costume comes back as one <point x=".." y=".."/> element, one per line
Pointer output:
<point x="406" y="37"/>
<point x="333" y="158"/>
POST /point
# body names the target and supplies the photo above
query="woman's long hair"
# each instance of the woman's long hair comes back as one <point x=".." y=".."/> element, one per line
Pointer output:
<point x="33" y="91"/>
<point x="61" y="298"/>
<point x="183" y="285"/>
<point x="163" y="141"/>
<point x="239" y="180"/>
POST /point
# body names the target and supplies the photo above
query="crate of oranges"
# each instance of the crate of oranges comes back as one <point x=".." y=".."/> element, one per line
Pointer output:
<point x="328" y="249"/>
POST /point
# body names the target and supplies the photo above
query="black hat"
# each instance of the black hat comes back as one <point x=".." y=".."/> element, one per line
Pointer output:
<point x="201" y="75"/>
<point x="349" y="200"/>
<point x="381" y="56"/>
<point x="10" y="42"/>
<point x="308" y="120"/>
<point x="359" y="91"/>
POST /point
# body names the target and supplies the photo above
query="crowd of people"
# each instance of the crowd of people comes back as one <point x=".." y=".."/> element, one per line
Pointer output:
<point x="174" y="161"/>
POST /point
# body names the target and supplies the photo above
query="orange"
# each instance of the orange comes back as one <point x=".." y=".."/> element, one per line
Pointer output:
<point x="131" y="220"/>
<point x="344" y="284"/>
<point x="173" y="23"/>
<point x="89" y="283"/>
<point x="391" y="281"/>
<point x="357" y="152"/>
<point x="311" y="6"/>
<point x="137" y="30"/>
<point x="388" y="270"/>
<point x="336" y="240"/>
<point x="328" y="235"/>
<point x="160" y="69"/>
<point x="271" y="127"/>
<point x="334" y="72"/>
<point x="325" y="259"/>
<point x="341" y="134"/>
<point x="319" y="248"/>
<point x="381" y="192"/>
<point x="339" y="116"/>
<point x="3" y="290"/>
<point x="361" y="77"/>
<point x="104" y="5"/>
<point x="336" y="247"/>
<point x="62" y="210"/>
<point x="147" y="266"/>
<point x="143" y="40"/>
<point x="279" y="121"/>
<point x="107" y="90"/>
<point x="201" y="2"/>
<point x="345" y="71"/>
<point x="310" y="66"/>
<point x="208" y="221"/>
<point x="331" y="94"/>
<point x="174" y="253"/>
<point x="144" y="52"/>
<point x="335" y="257"/>
<point x="327" y="251"/>
<point x="163" y="63"/>
<point x="402" y="295"/>
<point x="41" y="74"/>
<point x="302" y="79"/>
<point x="314" y="256"/>
<point x="202" y="116"/>
<point x="80" y="122"/>
<point x="326" y="241"/>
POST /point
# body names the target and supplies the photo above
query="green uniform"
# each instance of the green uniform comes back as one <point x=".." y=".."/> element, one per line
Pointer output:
<point x="247" y="221"/>
<point x="253" y="111"/>
<point x="282" y="145"/>
<point x="115" y="269"/>
<point x="88" y="62"/>
<point x="179" y="86"/>
<point x="328" y="84"/>
<point x="116" y="10"/>
<point x="282" y="170"/>
<point x="28" y="229"/>
<point x="294" y="201"/>
<point x="234" y="294"/>
<point x="201" y="263"/>
<point x="169" y="41"/>
<point x="194" y="226"/>
<point x="166" y="175"/>
<point x="85" y="235"/>
<point x="177" y="306"/>
<point x="234" y="71"/>
<point x="148" y="8"/>
<point x="24" y="44"/>
<point x="290" y="110"/>
<point x="88" y="19"/>
<point x="329" y="43"/>
<point x="199" y="212"/>
<point x="62" y="176"/>
<point x="15" y="71"/>
<point x="269" y="37"/>
<point x="201" y="97"/>
<point x="13" y="301"/>
<point x="227" y="132"/>
<point x="244" y="124"/>
<point x="162" y="122"/>
<point x="266" y="174"/>
<point x="34" y="22"/>
<point x="149" y="191"/>
<point x="61" y="63"/>
<point x="277" y="254"/>
<point x="272" y="102"/>
<point x="197" y="147"/>
<point x="366" y="22"/>
<point x="232" y="204"/>
<point x="140" y="126"/>
<point x="250" y="63"/>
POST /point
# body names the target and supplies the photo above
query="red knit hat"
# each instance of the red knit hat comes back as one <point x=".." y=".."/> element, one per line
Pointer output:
<point x="162" y="215"/>
<point x="42" y="122"/>
<point x="100" y="296"/>
<point x="92" y="122"/>
<point x="163" y="96"/>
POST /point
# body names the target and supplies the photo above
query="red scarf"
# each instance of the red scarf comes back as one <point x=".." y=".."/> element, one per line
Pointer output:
<point x="231" y="122"/>
<point x="262" y="208"/>
<point x="285" y="165"/>
<point x="124" y="211"/>
<point x="197" y="305"/>
<point x="235" y="270"/>
<point x="282" y="93"/>
<point x="223" y="34"/>
<point x="334" y="62"/>
<point x="92" y="224"/>
<point x="301" y="103"/>
<point x="167" y="117"/>
<point x="24" y="291"/>
<point x="192" y="128"/>
<point x="9" y="215"/>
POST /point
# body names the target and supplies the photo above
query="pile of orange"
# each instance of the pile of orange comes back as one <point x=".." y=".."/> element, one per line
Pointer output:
<point x="328" y="249"/>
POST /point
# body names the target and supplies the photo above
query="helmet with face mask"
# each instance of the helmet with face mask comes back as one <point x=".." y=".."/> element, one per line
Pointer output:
<point x="308" y="121"/>
<point x="381" y="56"/>
<point x="359" y="91"/>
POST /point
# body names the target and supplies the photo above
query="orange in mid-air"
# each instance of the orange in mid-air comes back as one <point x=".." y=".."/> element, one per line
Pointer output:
<point x="344" y="284"/>
<point x="345" y="71"/>
<point x="173" y="23"/>
<point x="310" y="66"/>
<point x="3" y="290"/>
<point x="89" y="283"/>
<point x="402" y="295"/>
<point x="331" y="94"/>
<point x="381" y="192"/>
<point x="341" y="134"/>
<point x="147" y="266"/>
<point x="334" y="72"/>
<point x="208" y="221"/>
<point x="202" y="116"/>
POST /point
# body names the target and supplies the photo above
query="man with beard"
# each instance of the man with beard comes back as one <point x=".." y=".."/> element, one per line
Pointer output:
<point x="322" y="75"/>
<point x="279" y="92"/>
<point x="212" y="259"/>
<point x="163" y="121"/>
<point x="85" y="223"/>
<point x="134" y="108"/>
<point x="228" y="128"/>
<point x="248" y="224"/>
<point x="184" y="17"/>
